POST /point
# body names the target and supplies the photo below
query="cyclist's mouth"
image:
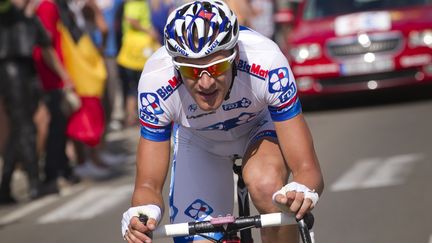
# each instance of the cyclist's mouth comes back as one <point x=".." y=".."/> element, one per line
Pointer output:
<point x="208" y="95"/>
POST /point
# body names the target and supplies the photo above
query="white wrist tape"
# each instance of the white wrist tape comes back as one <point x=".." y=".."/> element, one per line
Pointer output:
<point x="152" y="211"/>
<point x="297" y="187"/>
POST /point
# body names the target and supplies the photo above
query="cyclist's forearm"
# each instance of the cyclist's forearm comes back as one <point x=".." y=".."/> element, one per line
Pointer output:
<point x="152" y="168"/>
<point x="297" y="147"/>
<point x="144" y="195"/>
<point x="310" y="177"/>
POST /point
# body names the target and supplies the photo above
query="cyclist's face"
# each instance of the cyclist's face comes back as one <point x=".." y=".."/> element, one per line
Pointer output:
<point x="208" y="84"/>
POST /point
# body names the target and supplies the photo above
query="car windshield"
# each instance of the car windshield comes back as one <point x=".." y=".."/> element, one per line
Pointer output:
<point x="316" y="9"/>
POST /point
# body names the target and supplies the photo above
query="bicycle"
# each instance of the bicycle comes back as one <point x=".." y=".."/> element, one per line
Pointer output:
<point x="305" y="224"/>
<point x="230" y="226"/>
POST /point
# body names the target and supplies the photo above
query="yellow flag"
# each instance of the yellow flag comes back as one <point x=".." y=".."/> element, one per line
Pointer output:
<point x="84" y="64"/>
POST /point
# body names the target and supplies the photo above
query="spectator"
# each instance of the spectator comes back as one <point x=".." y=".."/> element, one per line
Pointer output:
<point x="285" y="11"/>
<point x="243" y="9"/>
<point x="3" y="125"/>
<point x="262" y="20"/>
<point x="112" y="100"/>
<point x="86" y="66"/>
<point x="160" y="9"/>
<point x="56" y="162"/>
<point x="139" y="41"/>
<point x="178" y="3"/>
<point x="255" y="14"/>
<point x="19" y="35"/>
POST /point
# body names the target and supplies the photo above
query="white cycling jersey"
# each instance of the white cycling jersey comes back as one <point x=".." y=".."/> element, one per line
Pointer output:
<point x="264" y="82"/>
<point x="205" y="142"/>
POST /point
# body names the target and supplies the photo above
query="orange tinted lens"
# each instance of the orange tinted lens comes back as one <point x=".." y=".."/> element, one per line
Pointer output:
<point x="219" y="68"/>
<point x="214" y="70"/>
<point x="190" y="72"/>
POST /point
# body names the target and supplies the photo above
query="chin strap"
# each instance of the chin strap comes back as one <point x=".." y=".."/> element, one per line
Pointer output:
<point x="234" y="74"/>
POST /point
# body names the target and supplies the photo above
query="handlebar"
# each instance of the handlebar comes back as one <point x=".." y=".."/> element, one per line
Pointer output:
<point x="230" y="223"/>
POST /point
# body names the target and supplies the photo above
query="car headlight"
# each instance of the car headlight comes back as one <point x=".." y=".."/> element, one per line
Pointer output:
<point x="421" y="38"/>
<point x="306" y="52"/>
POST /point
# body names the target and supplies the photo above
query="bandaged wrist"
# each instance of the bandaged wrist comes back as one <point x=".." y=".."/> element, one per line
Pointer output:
<point x="297" y="187"/>
<point x="151" y="211"/>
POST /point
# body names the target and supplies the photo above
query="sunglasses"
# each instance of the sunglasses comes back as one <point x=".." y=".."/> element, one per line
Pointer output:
<point x="213" y="69"/>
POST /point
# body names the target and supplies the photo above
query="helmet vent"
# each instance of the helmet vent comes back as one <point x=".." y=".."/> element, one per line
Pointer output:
<point x="195" y="42"/>
<point x="215" y="34"/>
<point x="200" y="28"/>
<point x="207" y="6"/>
<point x="179" y="38"/>
<point x="194" y="9"/>
<point x="236" y="28"/>
<point x="182" y="11"/>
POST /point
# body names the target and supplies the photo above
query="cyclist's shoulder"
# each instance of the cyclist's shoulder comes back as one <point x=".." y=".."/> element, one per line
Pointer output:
<point x="252" y="41"/>
<point x="258" y="55"/>
<point x="158" y="66"/>
<point x="159" y="75"/>
<point x="257" y="48"/>
<point x="160" y="59"/>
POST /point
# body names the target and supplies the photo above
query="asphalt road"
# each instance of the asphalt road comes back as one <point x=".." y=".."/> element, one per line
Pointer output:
<point x="376" y="156"/>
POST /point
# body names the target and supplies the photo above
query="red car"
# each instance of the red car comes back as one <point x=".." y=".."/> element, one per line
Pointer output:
<point x="338" y="46"/>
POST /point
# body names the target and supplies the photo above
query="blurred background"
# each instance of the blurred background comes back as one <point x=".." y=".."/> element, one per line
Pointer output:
<point x="69" y="130"/>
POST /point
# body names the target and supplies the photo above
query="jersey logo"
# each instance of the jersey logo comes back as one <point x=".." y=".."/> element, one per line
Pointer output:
<point x="193" y="107"/>
<point x="181" y="50"/>
<point x="279" y="82"/>
<point x="243" y="118"/>
<point x="289" y="94"/>
<point x="198" y="210"/>
<point x="200" y="115"/>
<point x="150" y="108"/>
<point x="243" y="103"/>
<point x="254" y="69"/>
<point x="205" y="14"/>
<point x="212" y="47"/>
<point x="166" y="91"/>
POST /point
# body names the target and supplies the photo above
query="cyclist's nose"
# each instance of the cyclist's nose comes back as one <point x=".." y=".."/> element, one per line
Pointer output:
<point x="206" y="81"/>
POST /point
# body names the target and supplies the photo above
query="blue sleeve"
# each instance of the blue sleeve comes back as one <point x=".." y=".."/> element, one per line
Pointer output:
<point x="287" y="112"/>
<point x="157" y="134"/>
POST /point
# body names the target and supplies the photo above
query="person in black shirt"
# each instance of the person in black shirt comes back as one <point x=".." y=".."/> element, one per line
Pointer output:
<point x="19" y="89"/>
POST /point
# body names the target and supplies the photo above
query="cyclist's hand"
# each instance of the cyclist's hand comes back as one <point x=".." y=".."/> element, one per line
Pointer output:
<point x="140" y="232"/>
<point x="295" y="198"/>
<point x="133" y="230"/>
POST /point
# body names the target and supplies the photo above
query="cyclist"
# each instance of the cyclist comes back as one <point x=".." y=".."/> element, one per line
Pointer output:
<point x="229" y="91"/>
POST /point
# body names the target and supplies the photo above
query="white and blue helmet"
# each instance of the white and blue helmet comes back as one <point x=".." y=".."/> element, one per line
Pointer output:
<point x="200" y="28"/>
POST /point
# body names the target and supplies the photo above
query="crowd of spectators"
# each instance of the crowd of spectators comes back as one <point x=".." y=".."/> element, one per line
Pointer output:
<point x="47" y="91"/>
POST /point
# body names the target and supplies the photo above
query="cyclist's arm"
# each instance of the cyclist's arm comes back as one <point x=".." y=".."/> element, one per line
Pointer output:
<point x="297" y="147"/>
<point x="152" y="167"/>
